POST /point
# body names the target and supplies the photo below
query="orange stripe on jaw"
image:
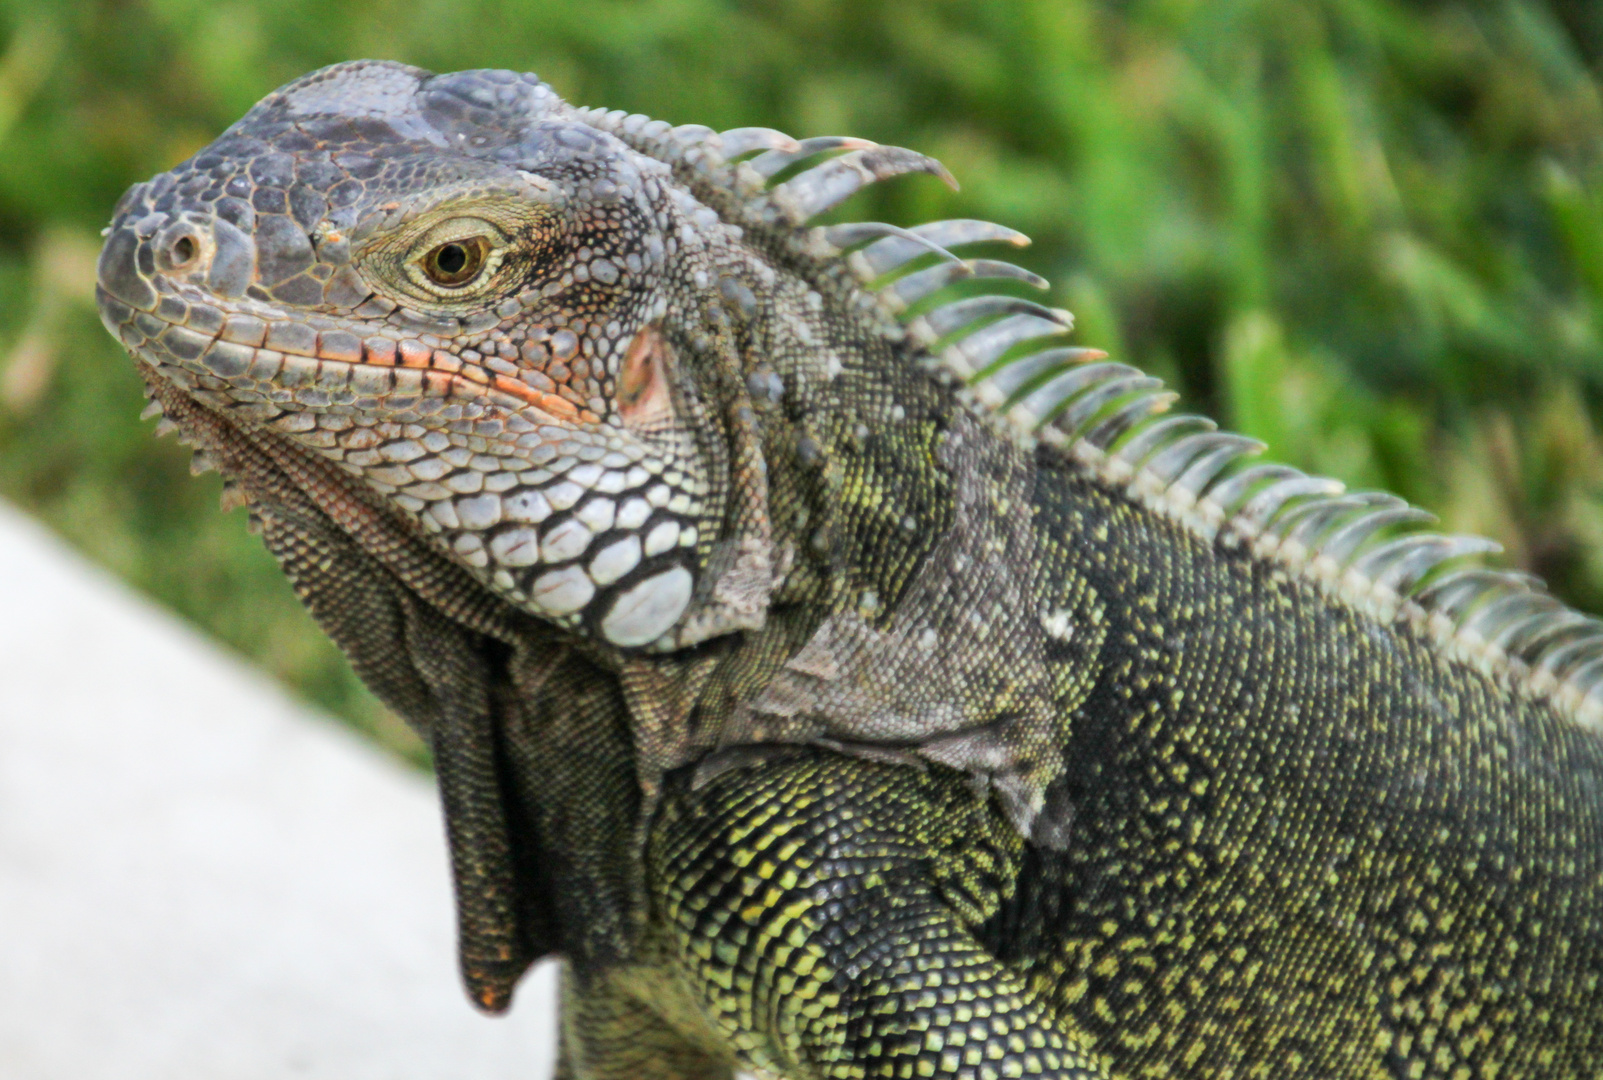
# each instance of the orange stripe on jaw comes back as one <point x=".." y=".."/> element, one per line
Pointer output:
<point x="551" y="403"/>
<point x="558" y="407"/>
<point x="442" y="379"/>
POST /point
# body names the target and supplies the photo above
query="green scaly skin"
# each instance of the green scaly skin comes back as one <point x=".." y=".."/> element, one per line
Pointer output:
<point x="967" y="756"/>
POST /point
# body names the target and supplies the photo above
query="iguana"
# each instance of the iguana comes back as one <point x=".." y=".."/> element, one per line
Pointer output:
<point x="843" y="674"/>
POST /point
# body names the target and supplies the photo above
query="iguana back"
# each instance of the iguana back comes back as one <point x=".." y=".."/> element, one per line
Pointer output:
<point x="843" y="674"/>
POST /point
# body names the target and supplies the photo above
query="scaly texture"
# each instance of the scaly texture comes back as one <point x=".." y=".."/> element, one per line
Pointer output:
<point x="846" y="676"/>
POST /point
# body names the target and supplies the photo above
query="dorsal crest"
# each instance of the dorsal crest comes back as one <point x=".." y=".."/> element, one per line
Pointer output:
<point x="1010" y="360"/>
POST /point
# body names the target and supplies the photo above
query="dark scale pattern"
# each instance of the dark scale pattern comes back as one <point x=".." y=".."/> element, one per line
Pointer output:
<point x="1298" y="840"/>
<point x="828" y="713"/>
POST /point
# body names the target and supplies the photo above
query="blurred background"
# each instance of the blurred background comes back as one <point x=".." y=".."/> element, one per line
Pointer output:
<point x="1369" y="232"/>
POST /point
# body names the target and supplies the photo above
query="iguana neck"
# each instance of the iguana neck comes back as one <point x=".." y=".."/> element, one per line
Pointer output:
<point x="913" y="541"/>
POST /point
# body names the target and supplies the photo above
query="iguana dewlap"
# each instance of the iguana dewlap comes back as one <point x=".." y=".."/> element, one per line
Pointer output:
<point x="844" y="675"/>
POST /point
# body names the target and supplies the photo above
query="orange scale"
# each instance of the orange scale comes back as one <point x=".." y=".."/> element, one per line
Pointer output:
<point x="415" y="354"/>
<point x="378" y="351"/>
<point x="447" y="361"/>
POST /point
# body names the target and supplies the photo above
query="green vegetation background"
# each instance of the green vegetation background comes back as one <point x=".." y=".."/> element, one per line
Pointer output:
<point x="1368" y="232"/>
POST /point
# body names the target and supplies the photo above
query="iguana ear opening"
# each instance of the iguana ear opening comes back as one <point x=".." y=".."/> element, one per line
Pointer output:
<point x="645" y="402"/>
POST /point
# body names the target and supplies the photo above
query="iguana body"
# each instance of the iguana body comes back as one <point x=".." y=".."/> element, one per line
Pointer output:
<point x="827" y="712"/>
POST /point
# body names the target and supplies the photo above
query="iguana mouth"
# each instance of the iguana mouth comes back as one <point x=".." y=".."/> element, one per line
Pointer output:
<point x="308" y="367"/>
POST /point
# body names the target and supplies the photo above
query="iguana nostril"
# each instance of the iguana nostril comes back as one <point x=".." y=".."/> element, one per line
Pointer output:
<point x="180" y="253"/>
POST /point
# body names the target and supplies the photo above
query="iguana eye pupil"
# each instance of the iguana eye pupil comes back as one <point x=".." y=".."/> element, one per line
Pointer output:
<point x="452" y="258"/>
<point x="456" y="262"/>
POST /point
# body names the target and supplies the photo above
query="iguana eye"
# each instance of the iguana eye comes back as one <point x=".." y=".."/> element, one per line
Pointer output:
<point x="456" y="262"/>
<point x="459" y="254"/>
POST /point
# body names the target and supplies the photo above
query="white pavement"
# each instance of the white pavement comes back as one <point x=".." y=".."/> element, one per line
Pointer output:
<point x="198" y="878"/>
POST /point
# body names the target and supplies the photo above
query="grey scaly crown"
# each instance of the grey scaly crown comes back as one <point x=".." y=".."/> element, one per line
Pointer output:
<point x="546" y="422"/>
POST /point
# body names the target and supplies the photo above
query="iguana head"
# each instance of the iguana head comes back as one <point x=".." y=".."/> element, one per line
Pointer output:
<point x="501" y="318"/>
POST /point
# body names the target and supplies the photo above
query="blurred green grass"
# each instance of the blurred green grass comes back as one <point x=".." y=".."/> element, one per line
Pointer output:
<point x="1369" y="232"/>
